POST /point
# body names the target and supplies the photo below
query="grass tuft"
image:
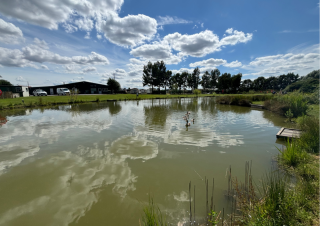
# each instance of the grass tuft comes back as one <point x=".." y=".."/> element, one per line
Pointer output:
<point x="153" y="215"/>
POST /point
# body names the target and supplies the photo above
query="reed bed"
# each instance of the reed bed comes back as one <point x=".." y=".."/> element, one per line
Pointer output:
<point x="242" y="100"/>
<point x="297" y="102"/>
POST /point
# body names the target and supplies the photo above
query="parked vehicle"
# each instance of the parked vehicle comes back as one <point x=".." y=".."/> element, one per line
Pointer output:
<point x="39" y="92"/>
<point x="63" y="91"/>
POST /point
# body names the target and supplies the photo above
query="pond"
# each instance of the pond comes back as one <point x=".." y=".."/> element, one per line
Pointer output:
<point x="98" y="163"/>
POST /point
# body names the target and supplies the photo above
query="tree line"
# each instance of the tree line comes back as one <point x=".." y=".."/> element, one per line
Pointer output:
<point x="156" y="75"/>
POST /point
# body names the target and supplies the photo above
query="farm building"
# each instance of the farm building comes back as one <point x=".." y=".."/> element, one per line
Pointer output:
<point x="82" y="87"/>
<point x="14" y="91"/>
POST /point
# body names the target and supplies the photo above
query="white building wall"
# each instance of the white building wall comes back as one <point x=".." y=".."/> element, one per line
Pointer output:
<point x="25" y="91"/>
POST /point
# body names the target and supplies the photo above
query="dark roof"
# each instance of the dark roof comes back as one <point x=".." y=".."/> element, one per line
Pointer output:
<point x="73" y="83"/>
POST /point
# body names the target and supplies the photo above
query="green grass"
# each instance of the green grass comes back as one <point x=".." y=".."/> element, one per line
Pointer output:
<point x="153" y="215"/>
<point x="293" y="154"/>
<point x="258" y="102"/>
<point x="313" y="110"/>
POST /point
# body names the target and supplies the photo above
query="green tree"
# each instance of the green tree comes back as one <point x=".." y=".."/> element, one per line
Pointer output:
<point x="155" y="75"/>
<point x="194" y="79"/>
<point x="184" y="79"/>
<point x="5" y="83"/>
<point x="235" y="82"/>
<point x="147" y="79"/>
<point x="214" y="78"/>
<point x="159" y="73"/>
<point x="246" y="85"/>
<point x="166" y="79"/>
<point x="272" y="83"/>
<point x="113" y="85"/>
<point x="259" y="83"/>
<point x="206" y="80"/>
<point x="173" y="84"/>
<point x="224" y="81"/>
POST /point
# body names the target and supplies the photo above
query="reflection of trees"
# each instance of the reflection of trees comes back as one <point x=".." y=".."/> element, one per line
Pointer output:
<point x="233" y="108"/>
<point x="114" y="108"/>
<point x="156" y="114"/>
<point x="192" y="105"/>
<point x="184" y="105"/>
<point x="208" y="105"/>
<point x="178" y="105"/>
<point x="15" y="112"/>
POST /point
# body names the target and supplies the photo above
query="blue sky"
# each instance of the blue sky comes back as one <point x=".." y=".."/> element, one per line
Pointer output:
<point x="68" y="41"/>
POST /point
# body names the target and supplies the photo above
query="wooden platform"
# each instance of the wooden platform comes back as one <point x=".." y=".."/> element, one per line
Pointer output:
<point x="288" y="133"/>
<point x="257" y="106"/>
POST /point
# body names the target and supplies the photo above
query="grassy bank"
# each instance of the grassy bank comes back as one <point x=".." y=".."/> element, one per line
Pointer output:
<point x="32" y="101"/>
<point x="289" y="196"/>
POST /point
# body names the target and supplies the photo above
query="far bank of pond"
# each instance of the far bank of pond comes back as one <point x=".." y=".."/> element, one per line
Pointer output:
<point x="98" y="163"/>
<point x="32" y="101"/>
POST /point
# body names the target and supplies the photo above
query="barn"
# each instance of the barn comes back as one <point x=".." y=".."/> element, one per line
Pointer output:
<point x="83" y="87"/>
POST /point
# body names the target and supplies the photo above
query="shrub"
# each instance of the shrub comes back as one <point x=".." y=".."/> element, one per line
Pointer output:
<point x="293" y="154"/>
<point x="295" y="101"/>
<point x="310" y="136"/>
<point x="197" y="92"/>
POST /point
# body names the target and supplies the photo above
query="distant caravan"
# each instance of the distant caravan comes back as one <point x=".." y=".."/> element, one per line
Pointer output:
<point x="63" y="91"/>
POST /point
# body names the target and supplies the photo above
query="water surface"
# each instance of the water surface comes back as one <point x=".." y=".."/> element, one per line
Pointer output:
<point x="97" y="164"/>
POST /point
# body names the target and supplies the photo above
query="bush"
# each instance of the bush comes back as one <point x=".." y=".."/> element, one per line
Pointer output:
<point x="197" y="92"/>
<point x="296" y="101"/>
<point x="310" y="137"/>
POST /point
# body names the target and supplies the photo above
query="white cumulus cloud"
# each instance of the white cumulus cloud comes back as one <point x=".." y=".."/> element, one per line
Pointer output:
<point x="208" y="63"/>
<point x="85" y="24"/>
<point x="9" y="33"/>
<point x="39" y="53"/>
<point x="236" y="37"/>
<point x="156" y="51"/>
<point x="196" y="45"/>
<point x="50" y="14"/>
<point x="302" y="62"/>
<point x="89" y="69"/>
<point x="233" y="64"/>
<point x="128" y="31"/>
